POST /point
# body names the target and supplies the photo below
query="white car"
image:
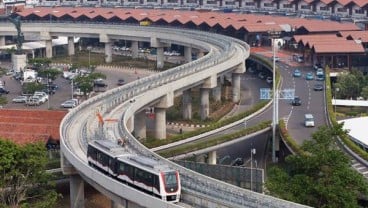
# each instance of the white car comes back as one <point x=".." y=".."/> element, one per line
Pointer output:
<point x="20" y="99"/>
<point x="69" y="104"/>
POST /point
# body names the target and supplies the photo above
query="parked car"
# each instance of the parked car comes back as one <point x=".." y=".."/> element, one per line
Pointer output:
<point x="69" y="104"/>
<point x="297" y="73"/>
<point x="269" y="80"/>
<point x="121" y="82"/>
<point x="99" y="83"/>
<point x="43" y="96"/>
<point x="20" y="99"/>
<point x="33" y="100"/>
<point x="296" y="101"/>
<point x="4" y="91"/>
<point x="309" y="76"/>
<point x="318" y="87"/>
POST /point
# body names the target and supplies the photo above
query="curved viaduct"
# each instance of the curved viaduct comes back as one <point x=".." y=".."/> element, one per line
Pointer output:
<point x="224" y="55"/>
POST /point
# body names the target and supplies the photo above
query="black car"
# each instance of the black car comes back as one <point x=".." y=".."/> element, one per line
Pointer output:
<point x="4" y="91"/>
<point x="121" y="82"/>
<point x="318" y="87"/>
<point x="296" y="101"/>
<point x="99" y="83"/>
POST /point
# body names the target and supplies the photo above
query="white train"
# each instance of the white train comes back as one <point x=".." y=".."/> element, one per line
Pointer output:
<point x="142" y="173"/>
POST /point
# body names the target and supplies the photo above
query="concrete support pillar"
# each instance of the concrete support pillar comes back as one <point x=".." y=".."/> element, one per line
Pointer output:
<point x="160" y="57"/>
<point x="134" y="48"/>
<point x="76" y="191"/>
<point x="212" y="158"/>
<point x="140" y="125"/>
<point x="2" y="40"/>
<point x="71" y="50"/>
<point x="236" y="87"/>
<point x="108" y="52"/>
<point x="48" y="48"/>
<point x="216" y="92"/>
<point x="187" y="104"/>
<point x="205" y="107"/>
<point x="116" y="205"/>
<point x="188" y="54"/>
<point x="160" y="123"/>
<point x="130" y="124"/>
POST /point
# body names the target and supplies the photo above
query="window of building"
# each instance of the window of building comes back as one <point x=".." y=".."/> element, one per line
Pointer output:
<point x="323" y="8"/>
<point x="172" y="1"/>
<point x="287" y="6"/>
<point x="191" y="1"/>
<point x="250" y="4"/>
<point x="305" y="7"/>
<point x="211" y="2"/>
<point x="342" y="9"/>
<point x="268" y="4"/>
<point x="359" y="11"/>
<point x="229" y="3"/>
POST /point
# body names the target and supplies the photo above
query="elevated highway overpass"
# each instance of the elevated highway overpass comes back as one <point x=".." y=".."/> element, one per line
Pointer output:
<point x="224" y="55"/>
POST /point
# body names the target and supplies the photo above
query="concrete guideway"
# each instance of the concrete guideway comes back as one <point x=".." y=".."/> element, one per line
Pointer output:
<point x="224" y="55"/>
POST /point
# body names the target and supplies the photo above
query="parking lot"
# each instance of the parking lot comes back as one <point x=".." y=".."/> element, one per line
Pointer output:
<point x="64" y="91"/>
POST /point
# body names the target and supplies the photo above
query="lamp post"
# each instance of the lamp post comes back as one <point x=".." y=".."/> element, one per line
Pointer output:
<point x="273" y="35"/>
<point x="48" y="91"/>
<point x="252" y="152"/>
<point x="89" y="48"/>
<point x="336" y="91"/>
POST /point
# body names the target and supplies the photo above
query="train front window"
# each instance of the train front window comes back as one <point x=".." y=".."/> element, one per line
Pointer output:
<point x="171" y="182"/>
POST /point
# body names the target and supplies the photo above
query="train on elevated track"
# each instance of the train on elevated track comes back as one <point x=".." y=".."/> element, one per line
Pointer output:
<point x="140" y="172"/>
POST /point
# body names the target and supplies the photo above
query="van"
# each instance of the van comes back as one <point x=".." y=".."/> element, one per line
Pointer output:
<point x="308" y="120"/>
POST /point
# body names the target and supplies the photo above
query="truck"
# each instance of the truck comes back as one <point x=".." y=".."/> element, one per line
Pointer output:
<point x="29" y="75"/>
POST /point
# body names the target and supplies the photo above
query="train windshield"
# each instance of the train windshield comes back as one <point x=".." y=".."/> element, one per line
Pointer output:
<point x="171" y="181"/>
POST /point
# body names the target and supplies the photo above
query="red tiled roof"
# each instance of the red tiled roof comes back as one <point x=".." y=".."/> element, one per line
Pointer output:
<point x="25" y="126"/>
<point x="327" y="43"/>
<point x="249" y="22"/>
<point x="356" y="35"/>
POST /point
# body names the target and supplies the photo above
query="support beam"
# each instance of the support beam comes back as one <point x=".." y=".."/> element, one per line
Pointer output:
<point x="71" y="49"/>
<point x="212" y="158"/>
<point x="160" y="123"/>
<point x="48" y="44"/>
<point x="205" y="107"/>
<point x="160" y="57"/>
<point x="76" y="192"/>
<point x="236" y="87"/>
<point x="108" y="52"/>
<point x="140" y="125"/>
<point x="187" y="104"/>
<point x="188" y="54"/>
<point x="216" y="92"/>
<point x="134" y="48"/>
<point x="2" y="40"/>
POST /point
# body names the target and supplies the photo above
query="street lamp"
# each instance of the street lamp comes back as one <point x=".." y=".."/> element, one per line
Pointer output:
<point x="273" y="35"/>
<point x="336" y="91"/>
<point x="89" y="48"/>
<point x="252" y="152"/>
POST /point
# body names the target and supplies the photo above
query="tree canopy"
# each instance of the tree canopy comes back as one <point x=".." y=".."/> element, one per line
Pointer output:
<point x="351" y="85"/>
<point x="321" y="177"/>
<point x="24" y="181"/>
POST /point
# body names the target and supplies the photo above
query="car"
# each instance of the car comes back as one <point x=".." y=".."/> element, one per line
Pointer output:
<point x="33" y="100"/>
<point x="99" y="83"/>
<point x="262" y="75"/>
<point x="317" y="66"/>
<point x="277" y="59"/>
<point x="320" y="77"/>
<point x="4" y="91"/>
<point x="20" y="99"/>
<point x="320" y="72"/>
<point x="308" y="120"/>
<point x="69" y="104"/>
<point x="318" y="87"/>
<point x="121" y="82"/>
<point x="298" y="58"/>
<point x="309" y="76"/>
<point x="297" y="73"/>
<point x="269" y="80"/>
<point x="296" y="101"/>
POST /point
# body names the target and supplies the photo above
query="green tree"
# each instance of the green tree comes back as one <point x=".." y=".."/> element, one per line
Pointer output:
<point x="3" y="100"/>
<point x="364" y="92"/>
<point x="321" y="177"/>
<point x="349" y="86"/>
<point x="50" y="73"/>
<point x="31" y="87"/>
<point x="85" y="83"/>
<point x="40" y="63"/>
<point x="24" y="181"/>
